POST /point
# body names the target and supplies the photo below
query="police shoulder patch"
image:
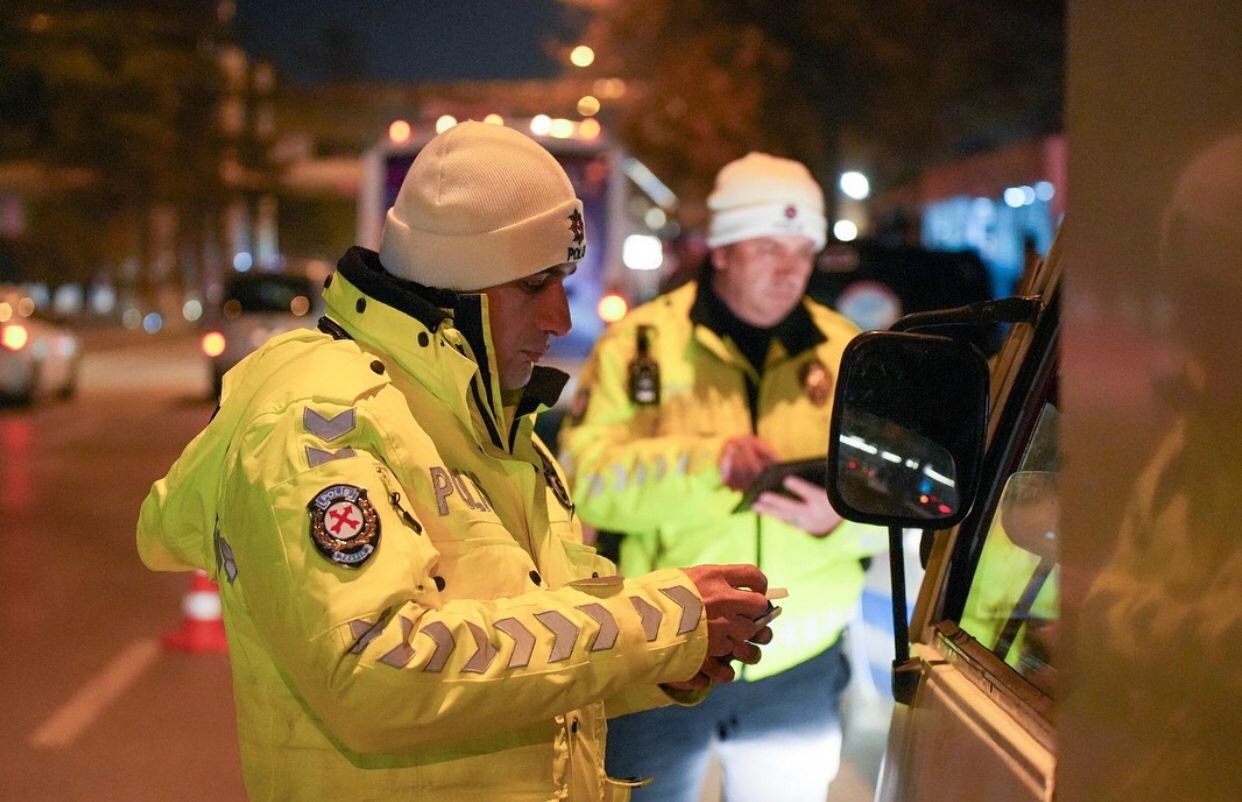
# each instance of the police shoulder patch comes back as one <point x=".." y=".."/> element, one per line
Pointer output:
<point x="344" y="525"/>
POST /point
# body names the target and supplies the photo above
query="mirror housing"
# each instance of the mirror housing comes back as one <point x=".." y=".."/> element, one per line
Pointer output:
<point x="908" y="429"/>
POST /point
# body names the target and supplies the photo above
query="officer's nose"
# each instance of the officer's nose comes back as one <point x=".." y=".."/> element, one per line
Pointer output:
<point x="554" y="311"/>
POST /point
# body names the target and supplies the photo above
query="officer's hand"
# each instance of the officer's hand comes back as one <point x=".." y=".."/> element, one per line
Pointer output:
<point x="717" y="669"/>
<point x="810" y="511"/>
<point x="743" y="458"/>
<point x="732" y="599"/>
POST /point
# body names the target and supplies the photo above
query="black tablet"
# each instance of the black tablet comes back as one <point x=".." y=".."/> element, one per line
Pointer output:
<point x="773" y="477"/>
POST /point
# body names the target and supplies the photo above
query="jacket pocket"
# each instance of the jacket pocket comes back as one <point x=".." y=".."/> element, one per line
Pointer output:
<point x="483" y="567"/>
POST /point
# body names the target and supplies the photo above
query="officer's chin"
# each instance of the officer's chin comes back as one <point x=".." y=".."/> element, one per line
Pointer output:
<point x="517" y="377"/>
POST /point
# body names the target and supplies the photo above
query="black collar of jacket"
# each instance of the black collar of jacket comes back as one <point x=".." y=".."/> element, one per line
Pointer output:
<point x="427" y="305"/>
<point x="797" y="332"/>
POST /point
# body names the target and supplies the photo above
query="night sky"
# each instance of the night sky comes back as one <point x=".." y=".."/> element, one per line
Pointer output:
<point x="404" y="40"/>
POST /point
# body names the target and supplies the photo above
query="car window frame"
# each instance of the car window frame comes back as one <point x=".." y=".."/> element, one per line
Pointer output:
<point x="1023" y="373"/>
<point x="1013" y="427"/>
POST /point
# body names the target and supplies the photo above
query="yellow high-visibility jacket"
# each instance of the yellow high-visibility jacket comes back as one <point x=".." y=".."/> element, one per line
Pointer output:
<point x="650" y="470"/>
<point x="410" y="609"/>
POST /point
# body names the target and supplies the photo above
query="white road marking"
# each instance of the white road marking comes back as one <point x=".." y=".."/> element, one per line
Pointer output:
<point x="74" y="716"/>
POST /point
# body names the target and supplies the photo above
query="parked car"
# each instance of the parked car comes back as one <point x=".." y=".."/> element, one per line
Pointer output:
<point x="255" y="307"/>
<point x="38" y="355"/>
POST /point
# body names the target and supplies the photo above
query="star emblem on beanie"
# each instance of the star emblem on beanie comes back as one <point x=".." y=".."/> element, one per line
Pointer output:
<point x="576" y="227"/>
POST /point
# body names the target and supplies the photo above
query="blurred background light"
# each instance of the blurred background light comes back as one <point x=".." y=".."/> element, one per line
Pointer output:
<point x="213" y="344"/>
<point x="1044" y="190"/>
<point x="300" y="305"/>
<point x="242" y="261"/>
<point x="153" y="322"/>
<point x="582" y="56"/>
<point x="192" y="309"/>
<point x="845" y="230"/>
<point x="15" y="336"/>
<point x="642" y="252"/>
<point x="445" y="122"/>
<point x="494" y="119"/>
<point x="612" y="307"/>
<point x="855" y="185"/>
<point x="655" y="218"/>
<point x="588" y="105"/>
<point x="541" y="125"/>
<point x="103" y="299"/>
<point x="1013" y="197"/>
<point x="609" y="88"/>
<point x="399" y="132"/>
<point x="589" y="129"/>
<point x="562" y="128"/>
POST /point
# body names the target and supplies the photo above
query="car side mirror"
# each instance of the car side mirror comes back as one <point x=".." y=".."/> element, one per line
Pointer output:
<point x="905" y="449"/>
<point x="908" y="428"/>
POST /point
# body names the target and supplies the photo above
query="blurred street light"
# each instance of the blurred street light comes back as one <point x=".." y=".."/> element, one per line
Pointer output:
<point x="582" y="56"/>
<point x="589" y="129"/>
<point x="642" y="252"/>
<point x="562" y="128"/>
<point x="494" y="119"/>
<point x="399" y="132"/>
<point x="445" y="122"/>
<point x="609" y="88"/>
<point x="611" y="308"/>
<point x="845" y="230"/>
<point x="588" y="105"/>
<point x="855" y="185"/>
<point x="541" y="125"/>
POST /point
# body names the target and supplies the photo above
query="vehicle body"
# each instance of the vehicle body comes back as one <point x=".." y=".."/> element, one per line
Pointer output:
<point x="38" y="355"/>
<point x="980" y="646"/>
<point x="255" y="307"/>
<point x="1077" y="635"/>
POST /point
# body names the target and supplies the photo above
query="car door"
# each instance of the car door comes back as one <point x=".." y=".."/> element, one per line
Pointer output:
<point x="980" y="724"/>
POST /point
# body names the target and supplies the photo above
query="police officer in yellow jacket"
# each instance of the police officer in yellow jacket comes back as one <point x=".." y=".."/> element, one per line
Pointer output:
<point x="410" y="608"/>
<point x="681" y="405"/>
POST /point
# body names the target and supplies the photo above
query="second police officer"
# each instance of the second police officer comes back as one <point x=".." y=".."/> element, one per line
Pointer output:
<point x="681" y="405"/>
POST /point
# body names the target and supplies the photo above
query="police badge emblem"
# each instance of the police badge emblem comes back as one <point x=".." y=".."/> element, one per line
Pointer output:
<point x="816" y="381"/>
<point x="344" y="525"/>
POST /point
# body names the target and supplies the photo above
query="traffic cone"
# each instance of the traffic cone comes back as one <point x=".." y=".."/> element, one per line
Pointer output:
<point x="203" y="628"/>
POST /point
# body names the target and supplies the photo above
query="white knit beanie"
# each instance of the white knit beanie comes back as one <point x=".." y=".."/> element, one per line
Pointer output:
<point x="760" y="195"/>
<point x="482" y="205"/>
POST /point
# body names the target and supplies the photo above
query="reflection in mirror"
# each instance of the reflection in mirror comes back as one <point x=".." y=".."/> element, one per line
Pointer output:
<point x="908" y="429"/>
<point x="892" y="470"/>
